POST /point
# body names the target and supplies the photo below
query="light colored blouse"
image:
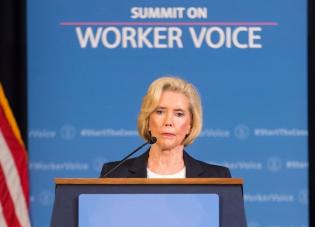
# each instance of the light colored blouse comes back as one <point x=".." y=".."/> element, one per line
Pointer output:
<point x="179" y="174"/>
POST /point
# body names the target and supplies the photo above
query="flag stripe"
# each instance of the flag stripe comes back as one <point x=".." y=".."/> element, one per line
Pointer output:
<point x="14" y="188"/>
<point x="9" y="116"/>
<point x="3" y="223"/>
<point x="7" y="203"/>
<point x="12" y="185"/>
<point x="16" y="150"/>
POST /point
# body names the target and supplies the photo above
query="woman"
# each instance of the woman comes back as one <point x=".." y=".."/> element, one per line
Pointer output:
<point x="171" y="111"/>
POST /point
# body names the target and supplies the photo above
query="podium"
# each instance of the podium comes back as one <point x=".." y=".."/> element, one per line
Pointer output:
<point x="68" y="190"/>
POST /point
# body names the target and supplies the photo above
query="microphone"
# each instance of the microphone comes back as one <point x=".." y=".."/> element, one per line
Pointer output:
<point x="152" y="140"/>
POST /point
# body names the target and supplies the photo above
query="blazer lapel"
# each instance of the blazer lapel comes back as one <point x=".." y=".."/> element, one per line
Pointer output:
<point x="138" y="169"/>
<point x="193" y="168"/>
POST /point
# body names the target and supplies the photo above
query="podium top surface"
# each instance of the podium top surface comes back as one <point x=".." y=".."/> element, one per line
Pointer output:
<point x="100" y="181"/>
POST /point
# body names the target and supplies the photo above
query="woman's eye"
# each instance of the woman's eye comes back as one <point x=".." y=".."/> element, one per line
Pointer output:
<point x="179" y="114"/>
<point x="159" y="111"/>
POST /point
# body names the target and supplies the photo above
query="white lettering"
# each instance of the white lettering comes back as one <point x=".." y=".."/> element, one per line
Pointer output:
<point x="197" y="40"/>
<point x="197" y="13"/>
<point x="235" y="37"/>
<point x="228" y="42"/>
<point x="175" y="36"/>
<point x="221" y="38"/>
<point x="168" y="37"/>
<point x="252" y="37"/>
<point x="142" y="37"/>
<point x="162" y="12"/>
<point x="159" y="37"/>
<point x="216" y="37"/>
<point x="125" y="37"/>
<point x="129" y="35"/>
<point x="116" y="39"/>
<point x="88" y="36"/>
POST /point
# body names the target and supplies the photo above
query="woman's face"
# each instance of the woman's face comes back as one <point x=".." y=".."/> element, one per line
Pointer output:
<point x="171" y="120"/>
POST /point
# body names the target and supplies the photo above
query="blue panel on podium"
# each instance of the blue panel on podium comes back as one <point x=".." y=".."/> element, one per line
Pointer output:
<point x="154" y="210"/>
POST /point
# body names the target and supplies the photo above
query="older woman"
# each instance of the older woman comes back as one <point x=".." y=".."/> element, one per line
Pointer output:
<point x="171" y="112"/>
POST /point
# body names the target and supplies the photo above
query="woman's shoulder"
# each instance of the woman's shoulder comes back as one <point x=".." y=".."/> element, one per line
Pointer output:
<point x="203" y="169"/>
<point x="131" y="168"/>
<point x="213" y="169"/>
<point x="121" y="171"/>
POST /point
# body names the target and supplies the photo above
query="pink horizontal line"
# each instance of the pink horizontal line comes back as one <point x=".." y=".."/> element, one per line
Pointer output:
<point x="168" y="23"/>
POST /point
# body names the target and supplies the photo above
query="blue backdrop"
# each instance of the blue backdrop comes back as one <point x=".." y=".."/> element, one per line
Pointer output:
<point x="90" y="63"/>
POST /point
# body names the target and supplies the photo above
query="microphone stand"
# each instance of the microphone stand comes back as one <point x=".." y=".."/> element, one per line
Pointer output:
<point x="151" y="141"/>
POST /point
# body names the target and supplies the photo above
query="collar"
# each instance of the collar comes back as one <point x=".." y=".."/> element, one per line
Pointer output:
<point x="138" y="168"/>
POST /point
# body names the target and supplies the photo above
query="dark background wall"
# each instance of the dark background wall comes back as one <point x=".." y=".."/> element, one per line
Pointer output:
<point x="13" y="58"/>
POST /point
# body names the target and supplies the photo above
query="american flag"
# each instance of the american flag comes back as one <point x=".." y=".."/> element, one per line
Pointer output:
<point x="14" y="185"/>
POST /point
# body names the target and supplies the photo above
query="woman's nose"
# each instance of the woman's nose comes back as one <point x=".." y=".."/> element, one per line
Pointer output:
<point x="168" y="120"/>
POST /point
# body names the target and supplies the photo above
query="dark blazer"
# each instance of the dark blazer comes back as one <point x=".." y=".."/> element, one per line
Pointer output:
<point x="137" y="168"/>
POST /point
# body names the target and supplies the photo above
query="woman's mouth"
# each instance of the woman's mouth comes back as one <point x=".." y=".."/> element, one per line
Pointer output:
<point x="167" y="134"/>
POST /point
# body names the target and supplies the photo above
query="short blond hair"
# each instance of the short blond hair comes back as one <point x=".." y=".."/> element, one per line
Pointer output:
<point x="151" y="100"/>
